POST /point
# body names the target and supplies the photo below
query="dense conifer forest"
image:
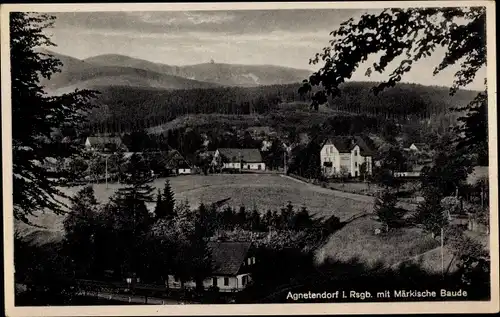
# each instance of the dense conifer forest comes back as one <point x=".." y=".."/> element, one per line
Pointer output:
<point x="126" y="109"/>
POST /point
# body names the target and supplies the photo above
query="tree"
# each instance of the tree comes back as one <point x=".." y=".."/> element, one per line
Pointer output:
<point x="411" y="34"/>
<point x="431" y="214"/>
<point x="81" y="227"/>
<point x="241" y="217"/>
<point x="165" y="206"/>
<point x="303" y="219"/>
<point x="363" y="171"/>
<point x="392" y="159"/>
<point x="33" y="188"/>
<point x="159" y="206"/>
<point x="472" y="133"/>
<point x="228" y="218"/>
<point x="448" y="172"/>
<point x="131" y="220"/>
<point x="386" y="210"/>
<point x="255" y="220"/>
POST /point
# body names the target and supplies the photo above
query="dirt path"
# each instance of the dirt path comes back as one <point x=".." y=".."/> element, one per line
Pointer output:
<point x="352" y="196"/>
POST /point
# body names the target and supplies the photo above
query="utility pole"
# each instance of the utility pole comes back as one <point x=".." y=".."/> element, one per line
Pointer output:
<point x="241" y="163"/>
<point x="482" y="196"/>
<point x="284" y="162"/>
<point x="106" y="160"/>
<point x="442" y="251"/>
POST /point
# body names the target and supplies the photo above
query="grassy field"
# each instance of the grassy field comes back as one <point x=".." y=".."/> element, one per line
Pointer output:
<point x="266" y="191"/>
<point x="357" y="240"/>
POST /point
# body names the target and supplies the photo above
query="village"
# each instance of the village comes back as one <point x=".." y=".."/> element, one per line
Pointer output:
<point x="346" y="164"/>
<point x="206" y="157"/>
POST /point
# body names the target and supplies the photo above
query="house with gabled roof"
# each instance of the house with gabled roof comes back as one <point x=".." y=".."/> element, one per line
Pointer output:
<point x="232" y="264"/>
<point x="418" y="147"/>
<point x="105" y="144"/>
<point x="345" y="155"/>
<point x="176" y="163"/>
<point x="241" y="159"/>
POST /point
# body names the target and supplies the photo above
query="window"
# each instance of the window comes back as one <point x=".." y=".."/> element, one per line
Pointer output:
<point x="356" y="164"/>
<point x="226" y="281"/>
<point x="253" y="260"/>
<point x="259" y="167"/>
<point x="249" y="261"/>
<point x="244" y="280"/>
<point x="214" y="281"/>
<point x="248" y="166"/>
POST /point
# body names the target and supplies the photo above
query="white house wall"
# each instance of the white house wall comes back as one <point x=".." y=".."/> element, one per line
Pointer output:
<point x="184" y="171"/>
<point x="254" y="166"/>
<point x="235" y="283"/>
<point x="329" y="153"/>
<point x="345" y="162"/>
<point x="348" y="161"/>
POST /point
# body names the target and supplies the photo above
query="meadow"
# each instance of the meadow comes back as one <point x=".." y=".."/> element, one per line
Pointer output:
<point x="266" y="191"/>
<point x="357" y="240"/>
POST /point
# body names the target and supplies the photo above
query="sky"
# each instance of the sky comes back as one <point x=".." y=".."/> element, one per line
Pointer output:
<point x="277" y="37"/>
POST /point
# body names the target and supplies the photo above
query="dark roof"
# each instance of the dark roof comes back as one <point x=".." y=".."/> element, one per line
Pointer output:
<point x="174" y="159"/>
<point x="365" y="147"/>
<point x="104" y="140"/>
<point x="345" y="144"/>
<point x="246" y="155"/>
<point x="227" y="257"/>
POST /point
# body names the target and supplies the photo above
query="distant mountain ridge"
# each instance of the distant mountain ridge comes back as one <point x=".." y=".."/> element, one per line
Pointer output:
<point x="120" y="70"/>
<point x="76" y="73"/>
<point x="222" y="74"/>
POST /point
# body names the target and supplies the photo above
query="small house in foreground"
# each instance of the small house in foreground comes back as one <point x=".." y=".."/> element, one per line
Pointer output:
<point x="232" y="264"/>
<point x="244" y="159"/>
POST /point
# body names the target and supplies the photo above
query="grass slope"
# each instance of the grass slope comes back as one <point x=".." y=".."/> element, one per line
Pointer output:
<point x="262" y="190"/>
<point x="355" y="240"/>
<point x="358" y="241"/>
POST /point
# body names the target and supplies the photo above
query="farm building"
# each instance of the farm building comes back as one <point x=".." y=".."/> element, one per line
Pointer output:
<point x="415" y="172"/>
<point x="231" y="272"/>
<point x="176" y="163"/>
<point x="345" y="155"/>
<point x="244" y="159"/>
<point x="418" y="147"/>
<point x="105" y="144"/>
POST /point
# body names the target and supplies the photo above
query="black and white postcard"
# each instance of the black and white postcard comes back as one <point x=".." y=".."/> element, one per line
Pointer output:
<point x="249" y="158"/>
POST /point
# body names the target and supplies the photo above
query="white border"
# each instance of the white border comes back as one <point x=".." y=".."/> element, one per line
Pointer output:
<point x="251" y="309"/>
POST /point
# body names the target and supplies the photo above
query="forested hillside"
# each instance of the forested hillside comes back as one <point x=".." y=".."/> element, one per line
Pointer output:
<point x="124" y="108"/>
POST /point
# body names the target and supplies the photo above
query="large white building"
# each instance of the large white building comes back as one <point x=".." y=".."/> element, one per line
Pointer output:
<point x="344" y="156"/>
